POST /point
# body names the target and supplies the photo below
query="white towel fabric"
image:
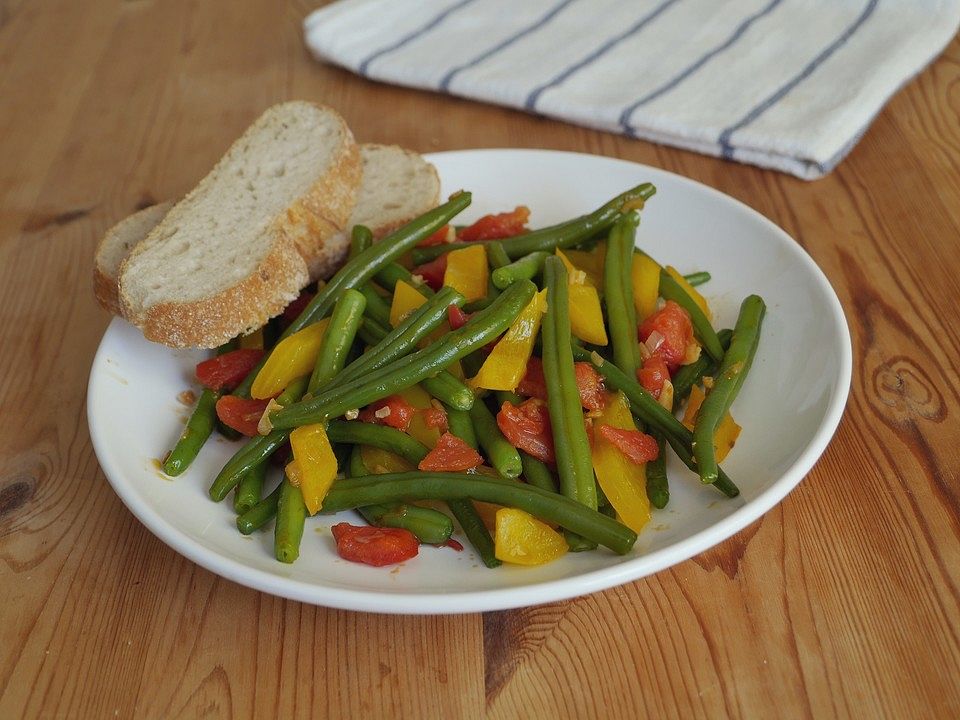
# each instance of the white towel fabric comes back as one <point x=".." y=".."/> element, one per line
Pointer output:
<point x="784" y="84"/>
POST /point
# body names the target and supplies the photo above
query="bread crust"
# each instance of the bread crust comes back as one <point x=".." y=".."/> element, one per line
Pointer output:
<point x="237" y="310"/>
<point x="304" y="243"/>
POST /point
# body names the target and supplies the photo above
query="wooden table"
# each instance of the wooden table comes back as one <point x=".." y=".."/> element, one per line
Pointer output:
<point x="843" y="601"/>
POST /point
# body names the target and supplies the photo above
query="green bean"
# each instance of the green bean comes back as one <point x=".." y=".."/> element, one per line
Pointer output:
<point x="537" y="473"/>
<point x="652" y="413"/>
<point x="401" y="374"/>
<point x="460" y="425"/>
<point x="360" y="239"/>
<point x="602" y="500"/>
<point x="430" y="526"/>
<point x="570" y="442"/>
<point x="250" y="489"/>
<point x="502" y="455"/>
<point x="338" y="338"/>
<point x="697" y="278"/>
<point x="194" y="435"/>
<point x="563" y="399"/>
<point x="628" y="241"/>
<point x="291" y="515"/>
<point x="371" y="332"/>
<point x="735" y="366"/>
<point x="377" y="307"/>
<point x="391" y="273"/>
<point x="403" y="338"/>
<point x="563" y="235"/>
<point x="670" y="290"/>
<point x="525" y="268"/>
<point x="464" y="510"/>
<point x="448" y="390"/>
<point x="365" y="265"/>
<point x="477" y="534"/>
<point x="569" y="514"/>
<point x="260" y="514"/>
<point x="692" y="374"/>
<point x="380" y="436"/>
<point x="658" y="487"/>
<point x="620" y="310"/>
<point x="496" y="256"/>
<point x="682" y="450"/>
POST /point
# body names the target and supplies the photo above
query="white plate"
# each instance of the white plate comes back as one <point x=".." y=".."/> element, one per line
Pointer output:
<point x="789" y="407"/>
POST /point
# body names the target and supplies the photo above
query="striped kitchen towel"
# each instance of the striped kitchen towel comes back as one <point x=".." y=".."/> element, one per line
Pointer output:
<point x="784" y="84"/>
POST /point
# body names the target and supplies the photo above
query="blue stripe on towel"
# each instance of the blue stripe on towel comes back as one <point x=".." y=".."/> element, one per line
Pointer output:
<point x="691" y="69"/>
<point x="362" y="68"/>
<point x="531" y="101"/>
<point x="726" y="149"/>
<point x="448" y="78"/>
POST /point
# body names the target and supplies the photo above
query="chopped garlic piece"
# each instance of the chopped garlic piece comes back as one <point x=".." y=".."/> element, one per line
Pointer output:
<point x="265" y="426"/>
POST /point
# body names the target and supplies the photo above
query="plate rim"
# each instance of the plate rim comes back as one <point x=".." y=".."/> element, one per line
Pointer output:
<point x="538" y="593"/>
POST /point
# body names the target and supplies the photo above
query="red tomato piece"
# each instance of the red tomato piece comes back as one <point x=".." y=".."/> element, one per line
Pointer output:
<point x="533" y="384"/>
<point x="454" y="545"/>
<point x="436" y="418"/>
<point x="653" y="374"/>
<point x="496" y="227"/>
<point x="589" y="383"/>
<point x="374" y="545"/>
<point x="456" y="317"/>
<point x="393" y="411"/>
<point x="673" y="324"/>
<point x="225" y="372"/>
<point x="590" y="386"/>
<point x="293" y="310"/>
<point x="527" y="428"/>
<point x="438" y="238"/>
<point x="433" y="272"/>
<point x="637" y="446"/>
<point x="242" y="414"/>
<point x="450" y="454"/>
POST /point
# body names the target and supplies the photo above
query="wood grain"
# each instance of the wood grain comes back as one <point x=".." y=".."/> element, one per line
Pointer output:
<point x="841" y="602"/>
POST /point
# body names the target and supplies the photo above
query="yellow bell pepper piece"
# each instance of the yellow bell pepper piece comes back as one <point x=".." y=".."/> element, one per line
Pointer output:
<point x="316" y="463"/>
<point x="690" y="290"/>
<point x="521" y="539"/>
<point x="293" y="357"/>
<point x="504" y="368"/>
<point x="623" y="482"/>
<point x="467" y="271"/>
<point x="575" y="276"/>
<point x="586" y="318"/>
<point x="727" y="431"/>
<point x="406" y="299"/>
<point x="645" y="278"/>
<point x="380" y="462"/>
<point x="253" y="340"/>
<point x="590" y="261"/>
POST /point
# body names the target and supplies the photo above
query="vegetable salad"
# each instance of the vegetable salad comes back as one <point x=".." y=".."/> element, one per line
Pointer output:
<point x="527" y="383"/>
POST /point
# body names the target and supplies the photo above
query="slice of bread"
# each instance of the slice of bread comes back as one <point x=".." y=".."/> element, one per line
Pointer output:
<point x="113" y="249"/>
<point x="398" y="185"/>
<point x="240" y="246"/>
